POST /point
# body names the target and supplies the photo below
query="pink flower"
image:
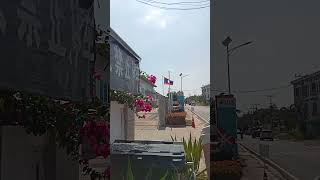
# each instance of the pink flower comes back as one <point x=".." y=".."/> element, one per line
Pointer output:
<point x="150" y="97"/>
<point x="140" y="102"/>
<point x="152" y="79"/>
<point x="147" y="108"/>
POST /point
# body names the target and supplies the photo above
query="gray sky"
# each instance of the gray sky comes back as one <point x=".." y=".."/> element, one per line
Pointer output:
<point x="167" y="40"/>
<point x="286" y="41"/>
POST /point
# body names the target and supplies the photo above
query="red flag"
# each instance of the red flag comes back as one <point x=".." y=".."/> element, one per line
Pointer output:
<point x="193" y="124"/>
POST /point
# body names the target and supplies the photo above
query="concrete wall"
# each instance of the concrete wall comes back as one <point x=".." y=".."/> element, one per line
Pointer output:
<point x="117" y="122"/>
<point x="146" y="88"/>
<point x="121" y="122"/>
<point x="30" y="157"/>
<point x="162" y="110"/>
<point x="130" y="125"/>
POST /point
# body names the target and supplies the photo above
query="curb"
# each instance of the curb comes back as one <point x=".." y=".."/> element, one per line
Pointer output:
<point x="283" y="172"/>
<point x="201" y="118"/>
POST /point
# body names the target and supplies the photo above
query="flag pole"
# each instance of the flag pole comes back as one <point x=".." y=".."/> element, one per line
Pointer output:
<point x="163" y="85"/>
<point x="170" y="103"/>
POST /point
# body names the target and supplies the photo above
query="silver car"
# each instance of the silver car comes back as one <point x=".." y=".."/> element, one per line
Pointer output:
<point x="266" y="135"/>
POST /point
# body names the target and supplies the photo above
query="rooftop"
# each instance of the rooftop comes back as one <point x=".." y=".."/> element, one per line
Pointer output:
<point x="146" y="80"/>
<point x="124" y="44"/>
<point x="306" y="77"/>
<point x="206" y="86"/>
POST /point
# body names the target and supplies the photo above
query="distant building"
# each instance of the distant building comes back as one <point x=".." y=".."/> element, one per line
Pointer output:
<point x="307" y="102"/>
<point x="206" y="92"/>
<point x="146" y="87"/>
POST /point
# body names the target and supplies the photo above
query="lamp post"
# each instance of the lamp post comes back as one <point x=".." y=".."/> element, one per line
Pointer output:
<point x="181" y="75"/>
<point x="226" y="43"/>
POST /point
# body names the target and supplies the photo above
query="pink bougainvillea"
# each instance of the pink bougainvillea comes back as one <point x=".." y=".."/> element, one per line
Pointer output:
<point x="143" y="105"/>
<point x="149" y="97"/>
<point x="98" y="135"/>
<point x="152" y="79"/>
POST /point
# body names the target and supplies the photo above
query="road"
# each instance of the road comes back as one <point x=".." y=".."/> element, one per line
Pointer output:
<point x="301" y="159"/>
<point x="202" y="111"/>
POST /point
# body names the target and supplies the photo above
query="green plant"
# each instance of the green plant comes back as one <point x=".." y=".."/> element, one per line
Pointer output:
<point x="193" y="150"/>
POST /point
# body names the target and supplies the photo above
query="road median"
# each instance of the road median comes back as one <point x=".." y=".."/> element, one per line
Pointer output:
<point x="282" y="171"/>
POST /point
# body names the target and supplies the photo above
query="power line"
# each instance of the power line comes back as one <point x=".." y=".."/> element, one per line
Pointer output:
<point x="178" y="3"/>
<point x="167" y="8"/>
<point x="252" y="91"/>
<point x="263" y="90"/>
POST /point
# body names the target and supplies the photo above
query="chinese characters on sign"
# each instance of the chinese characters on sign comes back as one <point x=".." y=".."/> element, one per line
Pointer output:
<point x="56" y="34"/>
<point x="124" y="69"/>
<point x="53" y="40"/>
<point x="29" y="28"/>
<point x="3" y="24"/>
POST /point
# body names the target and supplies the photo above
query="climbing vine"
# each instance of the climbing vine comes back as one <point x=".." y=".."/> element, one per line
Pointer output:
<point x="136" y="102"/>
<point x="71" y="122"/>
<point x="149" y="77"/>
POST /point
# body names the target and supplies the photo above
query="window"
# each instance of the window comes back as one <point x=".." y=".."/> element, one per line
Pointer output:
<point x="314" y="108"/>
<point x="305" y="91"/>
<point x="305" y="112"/>
<point x="297" y="92"/>
<point x="313" y="88"/>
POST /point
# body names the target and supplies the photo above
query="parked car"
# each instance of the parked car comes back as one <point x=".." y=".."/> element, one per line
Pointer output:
<point x="256" y="133"/>
<point x="266" y="135"/>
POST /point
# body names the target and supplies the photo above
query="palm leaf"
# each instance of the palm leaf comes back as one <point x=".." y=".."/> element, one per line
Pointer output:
<point x="129" y="172"/>
<point x="165" y="176"/>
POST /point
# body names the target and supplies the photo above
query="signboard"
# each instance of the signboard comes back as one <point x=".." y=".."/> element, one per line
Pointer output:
<point x="226" y="121"/>
<point x="181" y="102"/>
<point x="124" y="69"/>
<point x="45" y="51"/>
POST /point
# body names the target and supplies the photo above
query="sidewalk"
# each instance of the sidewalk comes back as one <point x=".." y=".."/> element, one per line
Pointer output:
<point x="147" y="129"/>
<point x="254" y="167"/>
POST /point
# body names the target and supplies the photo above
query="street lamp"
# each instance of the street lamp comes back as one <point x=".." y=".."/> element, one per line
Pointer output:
<point x="181" y="79"/>
<point x="226" y="43"/>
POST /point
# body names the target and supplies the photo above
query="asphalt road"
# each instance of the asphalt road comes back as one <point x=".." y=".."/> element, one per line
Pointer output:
<point x="203" y="111"/>
<point x="301" y="159"/>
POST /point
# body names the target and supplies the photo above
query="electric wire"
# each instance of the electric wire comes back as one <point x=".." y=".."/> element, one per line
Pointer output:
<point x="179" y="3"/>
<point x="171" y="8"/>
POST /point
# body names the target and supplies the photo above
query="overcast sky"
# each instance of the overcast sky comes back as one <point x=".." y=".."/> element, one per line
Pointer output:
<point x="286" y="41"/>
<point x="167" y="40"/>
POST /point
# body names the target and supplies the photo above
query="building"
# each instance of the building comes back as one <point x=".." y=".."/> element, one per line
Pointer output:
<point x="124" y="76"/>
<point x="307" y="102"/>
<point x="146" y="87"/>
<point x="206" y="92"/>
<point x="45" y="56"/>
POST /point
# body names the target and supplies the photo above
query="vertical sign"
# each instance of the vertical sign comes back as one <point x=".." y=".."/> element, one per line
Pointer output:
<point x="45" y="47"/>
<point x="124" y="68"/>
<point x="226" y="119"/>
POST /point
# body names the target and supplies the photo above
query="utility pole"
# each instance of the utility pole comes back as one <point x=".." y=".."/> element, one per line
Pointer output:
<point x="170" y="102"/>
<point x="254" y="108"/>
<point x="226" y="43"/>
<point x="270" y="99"/>
<point x="271" y="113"/>
<point x="181" y="75"/>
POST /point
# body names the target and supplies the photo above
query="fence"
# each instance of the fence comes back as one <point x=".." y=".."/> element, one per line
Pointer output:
<point x="162" y="110"/>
